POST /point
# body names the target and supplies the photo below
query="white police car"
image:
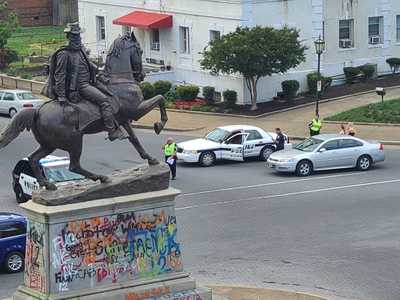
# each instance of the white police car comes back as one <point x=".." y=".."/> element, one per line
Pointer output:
<point x="54" y="168"/>
<point x="235" y="142"/>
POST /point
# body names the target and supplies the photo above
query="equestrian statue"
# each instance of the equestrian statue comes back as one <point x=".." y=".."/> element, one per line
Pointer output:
<point x="85" y="100"/>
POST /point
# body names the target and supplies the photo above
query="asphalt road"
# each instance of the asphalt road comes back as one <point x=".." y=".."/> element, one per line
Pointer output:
<point x="335" y="233"/>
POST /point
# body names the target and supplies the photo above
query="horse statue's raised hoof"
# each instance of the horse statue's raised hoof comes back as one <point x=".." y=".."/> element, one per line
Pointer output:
<point x="153" y="162"/>
<point x="104" y="179"/>
<point x="158" y="127"/>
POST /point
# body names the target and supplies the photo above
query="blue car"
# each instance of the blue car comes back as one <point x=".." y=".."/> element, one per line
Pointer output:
<point x="12" y="242"/>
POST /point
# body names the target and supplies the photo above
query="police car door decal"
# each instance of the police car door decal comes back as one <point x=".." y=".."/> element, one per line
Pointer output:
<point x="28" y="184"/>
<point x="249" y="149"/>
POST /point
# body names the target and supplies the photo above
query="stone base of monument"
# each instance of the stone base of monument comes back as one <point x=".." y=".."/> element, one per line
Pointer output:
<point x="122" y="248"/>
<point x="170" y="289"/>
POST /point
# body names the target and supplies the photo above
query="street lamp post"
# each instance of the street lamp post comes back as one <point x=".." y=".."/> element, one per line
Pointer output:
<point x="319" y="49"/>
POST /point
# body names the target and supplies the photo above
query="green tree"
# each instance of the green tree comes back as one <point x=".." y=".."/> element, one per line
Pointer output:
<point x="255" y="53"/>
<point x="8" y="24"/>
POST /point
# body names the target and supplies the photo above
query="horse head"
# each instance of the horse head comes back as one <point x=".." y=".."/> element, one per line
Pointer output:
<point x="124" y="59"/>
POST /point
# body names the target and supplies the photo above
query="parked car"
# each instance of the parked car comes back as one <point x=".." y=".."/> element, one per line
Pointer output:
<point x="12" y="242"/>
<point x="54" y="168"/>
<point x="327" y="152"/>
<point x="12" y="101"/>
<point x="236" y="142"/>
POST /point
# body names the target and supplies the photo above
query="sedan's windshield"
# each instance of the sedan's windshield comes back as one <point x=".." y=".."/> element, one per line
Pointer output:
<point x="308" y="145"/>
<point x="217" y="135"/>
<point x="60" y="174"/>
<point x="26" y="96"/>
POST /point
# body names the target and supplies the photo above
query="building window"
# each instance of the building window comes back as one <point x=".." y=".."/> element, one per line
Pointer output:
<point x="101" y="28"/>
<point x="184" y="39"/>
<point x="346" y="33"/>
<point x="126" y="30"/>
<point x="217" y="96"/>
<point x="155" y="40"/>
<point x="375" y="30"/>
<point x="398" y="28"/>
<point x="215" y="35"/>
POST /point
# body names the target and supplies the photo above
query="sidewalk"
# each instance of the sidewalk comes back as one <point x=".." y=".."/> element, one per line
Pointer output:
<point x="247" y="293"/>
<point x="293" y="122"/>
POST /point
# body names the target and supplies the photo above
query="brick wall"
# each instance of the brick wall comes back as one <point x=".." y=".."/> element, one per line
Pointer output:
<point x="33" y="12"/>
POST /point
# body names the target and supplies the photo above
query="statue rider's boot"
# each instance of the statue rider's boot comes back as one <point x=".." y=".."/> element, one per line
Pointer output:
<point x="114" y="132"/>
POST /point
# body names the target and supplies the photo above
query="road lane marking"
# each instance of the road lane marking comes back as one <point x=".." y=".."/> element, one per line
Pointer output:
<point x="289" y="194"/>
<point x="270" y="184"/>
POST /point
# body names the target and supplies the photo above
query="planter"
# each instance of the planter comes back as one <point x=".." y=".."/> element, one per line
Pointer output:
<point x="181" y="104"/>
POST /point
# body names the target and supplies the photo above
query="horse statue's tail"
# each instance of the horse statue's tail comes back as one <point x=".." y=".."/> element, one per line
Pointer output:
<point x="24" y="120"/>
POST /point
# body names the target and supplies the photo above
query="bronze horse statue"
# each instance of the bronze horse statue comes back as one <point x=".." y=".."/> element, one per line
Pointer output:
<point x="56" y="126"/>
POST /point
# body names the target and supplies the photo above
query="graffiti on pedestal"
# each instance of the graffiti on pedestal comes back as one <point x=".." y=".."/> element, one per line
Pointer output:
<point x="115" y="249"/>
<point x="34" y="256"/>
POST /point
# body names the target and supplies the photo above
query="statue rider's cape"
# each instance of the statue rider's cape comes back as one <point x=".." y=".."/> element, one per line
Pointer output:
<point x="87" y="112"/>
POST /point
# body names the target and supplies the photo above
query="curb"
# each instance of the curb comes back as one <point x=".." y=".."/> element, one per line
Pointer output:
<point x="296" y="138"/>
<point x="143" y="126"/>
<point x="204" y="113"/>
<point x="277" y="111"/>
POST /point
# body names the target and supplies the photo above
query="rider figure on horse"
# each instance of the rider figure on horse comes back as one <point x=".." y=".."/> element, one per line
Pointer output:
<point x="73" y="76"/>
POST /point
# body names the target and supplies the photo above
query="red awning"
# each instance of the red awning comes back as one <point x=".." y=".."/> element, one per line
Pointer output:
<point x="145" y="20"/>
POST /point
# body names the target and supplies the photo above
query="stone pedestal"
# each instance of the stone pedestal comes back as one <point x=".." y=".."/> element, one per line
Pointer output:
<point x="123" y="248"/>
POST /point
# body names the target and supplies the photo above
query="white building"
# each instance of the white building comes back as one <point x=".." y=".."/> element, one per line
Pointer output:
<point x="174" y="32"/>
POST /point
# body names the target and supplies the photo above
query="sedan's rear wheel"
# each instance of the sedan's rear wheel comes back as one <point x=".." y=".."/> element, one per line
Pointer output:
<point x="207" y="159"/>
<point x="304" y="168"/>
<point x="364" y="163"/>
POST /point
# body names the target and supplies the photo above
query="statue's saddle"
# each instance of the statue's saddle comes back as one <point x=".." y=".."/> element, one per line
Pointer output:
<point x="90" y="112"/>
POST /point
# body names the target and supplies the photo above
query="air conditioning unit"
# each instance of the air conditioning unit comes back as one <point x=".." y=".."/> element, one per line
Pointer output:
<point x="345" y="43"/>
<point x="374" y="40"/>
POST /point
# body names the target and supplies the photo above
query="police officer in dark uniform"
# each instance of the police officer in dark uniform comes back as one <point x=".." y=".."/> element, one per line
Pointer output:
<point x="75" y="76"/>
<point x="280" y="139"/>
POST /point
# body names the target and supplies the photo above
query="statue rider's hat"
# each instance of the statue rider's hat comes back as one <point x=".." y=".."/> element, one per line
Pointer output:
<point x="73" y="28"/>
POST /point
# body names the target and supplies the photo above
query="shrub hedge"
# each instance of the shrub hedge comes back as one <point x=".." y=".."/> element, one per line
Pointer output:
<point x="208" y="93"/>
<point x="230" y="97"/>
<point x="187" y="92"/>
<point x="394" y="63"/>
<point x="147" y="90"/>
<point x="290" y="88"/>
<point x="161" y="87"/>
<point x="367" y="70"/>
<point x="171" y="95"/>
<point x="351" y="73"/>
<point x="312" y="79"/>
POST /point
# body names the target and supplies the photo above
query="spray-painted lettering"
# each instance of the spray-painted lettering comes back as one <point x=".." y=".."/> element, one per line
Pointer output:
<point x="115" y="248"/>
<point x="34" y="256"/>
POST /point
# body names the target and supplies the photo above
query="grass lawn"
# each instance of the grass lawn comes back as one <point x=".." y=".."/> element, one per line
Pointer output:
<point x="39" y="40"/>
<point x="388" y="112"/>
